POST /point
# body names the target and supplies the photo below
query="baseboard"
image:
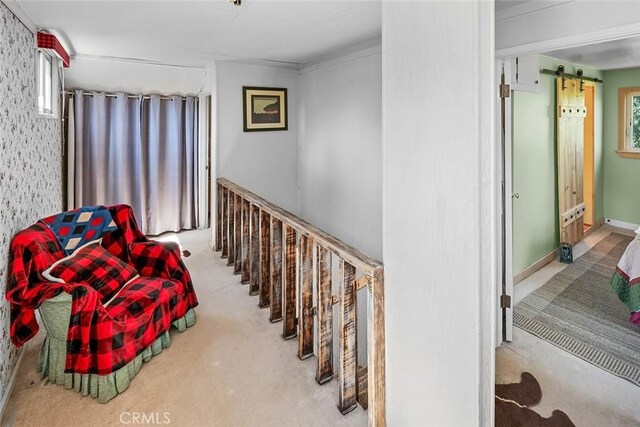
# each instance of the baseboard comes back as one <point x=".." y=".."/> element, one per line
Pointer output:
<point x="621" y="224"/>
<point x="535" y="266"/>
<point x="12" y="380"/>
<point x="553" y="254"/>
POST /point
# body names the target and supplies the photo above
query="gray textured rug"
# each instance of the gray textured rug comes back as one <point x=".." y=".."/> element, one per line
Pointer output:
<point x="578" y="311"/>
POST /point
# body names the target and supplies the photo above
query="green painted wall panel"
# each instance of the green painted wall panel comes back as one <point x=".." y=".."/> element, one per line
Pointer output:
<point x="621" y="176"/>
<point x="535" y="213"/>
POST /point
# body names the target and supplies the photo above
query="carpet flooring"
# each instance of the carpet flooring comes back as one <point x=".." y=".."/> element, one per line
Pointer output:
<point x="577" y="311"/>
<point x="230" y="369"/>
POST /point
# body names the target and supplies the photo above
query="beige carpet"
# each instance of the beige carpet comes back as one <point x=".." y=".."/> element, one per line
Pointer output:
<point x="231" y="369"/>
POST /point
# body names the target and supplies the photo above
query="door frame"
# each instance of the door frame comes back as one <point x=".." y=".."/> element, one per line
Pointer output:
<point x="504" y="312"/>
<point x="591" y="86"/>
<point x="539" y="48"/>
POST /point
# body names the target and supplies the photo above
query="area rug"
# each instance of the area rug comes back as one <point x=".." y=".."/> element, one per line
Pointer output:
<point x="579" y="312"/>
<point x="514" y="402"/>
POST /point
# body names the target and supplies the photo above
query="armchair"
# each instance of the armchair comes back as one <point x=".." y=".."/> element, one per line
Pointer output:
<point x="96" y="340"/>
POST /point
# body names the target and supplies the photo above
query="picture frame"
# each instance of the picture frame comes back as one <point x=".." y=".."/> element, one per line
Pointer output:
<point x="264" y="108"/>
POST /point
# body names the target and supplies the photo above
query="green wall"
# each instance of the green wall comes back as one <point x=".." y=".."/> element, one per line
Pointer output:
<point x="621" y="176"/>
<point x="535" y="217"/>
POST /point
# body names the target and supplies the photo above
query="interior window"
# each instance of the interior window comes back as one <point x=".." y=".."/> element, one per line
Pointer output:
<point x="45" y="86"/>
<point x="629" y="122"/>
<point x="634" y="142"/>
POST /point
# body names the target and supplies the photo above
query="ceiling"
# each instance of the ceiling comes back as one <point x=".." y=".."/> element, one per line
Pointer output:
<point x="286" y="33"/>
<point x="505" y="4"/>
<point x="194" y="33"/>
<point x="611" y="55"/>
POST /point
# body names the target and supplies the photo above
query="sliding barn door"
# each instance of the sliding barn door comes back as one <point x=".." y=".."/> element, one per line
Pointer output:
<point x="570" y="128"/>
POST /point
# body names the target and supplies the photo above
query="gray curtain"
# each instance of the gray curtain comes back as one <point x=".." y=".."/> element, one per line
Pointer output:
<point x="139" y="151"/>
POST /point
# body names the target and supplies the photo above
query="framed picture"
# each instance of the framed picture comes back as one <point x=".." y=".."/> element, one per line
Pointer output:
<point x="265" y="108"/>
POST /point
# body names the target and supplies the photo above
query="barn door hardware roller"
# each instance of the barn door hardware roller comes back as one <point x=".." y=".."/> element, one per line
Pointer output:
<point x="560" y="72"/>
<point x="579" y="74"/>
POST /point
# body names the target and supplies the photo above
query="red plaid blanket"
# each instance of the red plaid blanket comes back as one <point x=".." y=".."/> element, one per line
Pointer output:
<point x="101" y="339"/>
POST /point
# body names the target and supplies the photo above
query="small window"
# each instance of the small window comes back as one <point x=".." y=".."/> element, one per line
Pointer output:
<point x="45" y="84"/>
<point x="629" y="122"/>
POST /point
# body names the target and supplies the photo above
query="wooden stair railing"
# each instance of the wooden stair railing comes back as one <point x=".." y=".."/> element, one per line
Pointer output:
<point x="273" y="251"/>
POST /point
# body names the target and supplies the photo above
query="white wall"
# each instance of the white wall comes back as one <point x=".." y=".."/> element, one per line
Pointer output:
<point x="560" y="24"/>
<point x="438" y="211"/>
<point x="110" y="75"/>
<point x="263" y="162"/>
<point x="340" y="149"/>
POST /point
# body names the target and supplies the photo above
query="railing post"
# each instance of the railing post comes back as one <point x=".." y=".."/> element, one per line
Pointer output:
<point x="219" y="204"/>
<point x="225" y="223"/>
<point x="260" y="241"/>
<point x="237" y="264"/>
<point x="324" y="370"/>
<point x="289" y="327"/>
<point x="265" y="259"/>
<point x="244" y="260"/>
<point x="375" y="350"/>
<point x="275" y="295"/>
<point x="231" y="228"/>
<point x="347" y="347"/>
<point x="254" y="250"/>
<point x="305" y="314"/>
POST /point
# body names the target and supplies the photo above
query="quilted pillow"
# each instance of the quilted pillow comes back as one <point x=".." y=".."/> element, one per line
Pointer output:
<point x="77" y="227"/>
<point x="93" y="265"/>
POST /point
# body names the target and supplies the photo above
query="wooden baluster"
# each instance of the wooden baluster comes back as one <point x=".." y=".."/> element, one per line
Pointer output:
<point x="237" y="265"/>
<point x="275" y="301"/>
<point x="218" y="244"/>
<point x="324" y="372"/>
<point x="361" y="386"/>
<point x="347" y="332"/>
<point x="254" y="251"/>
<point x="289" y="326"/>
<point x="225" y="222"/>
<point x="244" y="260"/>
<point x="375" y="350"/>
<point x="231" y="228"/>
<point x="265" y="259"/>
<point x="305" y="336"/>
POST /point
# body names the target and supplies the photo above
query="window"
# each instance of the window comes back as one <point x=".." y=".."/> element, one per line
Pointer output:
<point x="629" y="122"/>
<point x="45" y="84"/>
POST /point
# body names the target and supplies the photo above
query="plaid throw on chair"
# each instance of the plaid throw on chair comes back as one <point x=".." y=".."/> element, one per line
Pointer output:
<point x="101" y="339"/>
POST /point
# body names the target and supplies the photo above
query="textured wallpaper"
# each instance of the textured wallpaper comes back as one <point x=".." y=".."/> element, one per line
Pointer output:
<point x="30" y="159"/>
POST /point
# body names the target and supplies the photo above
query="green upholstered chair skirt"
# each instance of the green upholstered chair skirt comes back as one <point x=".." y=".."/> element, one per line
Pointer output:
<point x="55" y="314"/>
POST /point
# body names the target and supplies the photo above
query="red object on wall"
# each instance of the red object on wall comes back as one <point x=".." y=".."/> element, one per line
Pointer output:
<point x="49" y="41"/>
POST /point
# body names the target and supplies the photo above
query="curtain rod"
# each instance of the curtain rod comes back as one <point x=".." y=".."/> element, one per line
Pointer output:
<point x="114" y="95"/>
<point x="571" y="76"/>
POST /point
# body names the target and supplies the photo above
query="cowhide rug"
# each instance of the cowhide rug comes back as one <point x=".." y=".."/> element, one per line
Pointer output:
<point x="513" y="402"/>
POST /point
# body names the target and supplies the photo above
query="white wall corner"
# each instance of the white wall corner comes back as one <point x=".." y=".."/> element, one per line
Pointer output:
<point x="340" y="59"/>
<point x="490" y="209"/>
<point x="22" y="16"/>
<point x="250" y="67"/>
<point x="418" y="156"/>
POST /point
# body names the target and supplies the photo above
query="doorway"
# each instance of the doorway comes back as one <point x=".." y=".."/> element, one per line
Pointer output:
<point x="529" y="131"/>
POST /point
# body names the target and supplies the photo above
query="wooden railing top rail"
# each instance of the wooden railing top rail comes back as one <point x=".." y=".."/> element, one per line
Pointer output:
<point x="359" y="260"/>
